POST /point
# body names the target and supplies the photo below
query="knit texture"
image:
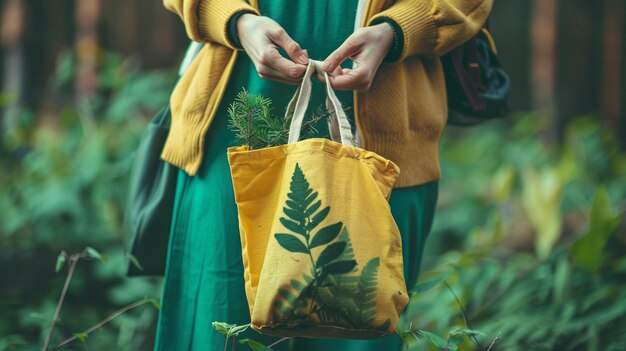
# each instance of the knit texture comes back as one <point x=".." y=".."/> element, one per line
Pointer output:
<point x="207" y="21"/>
<point x="401" y="117"/>
<point x="433" y="27"/>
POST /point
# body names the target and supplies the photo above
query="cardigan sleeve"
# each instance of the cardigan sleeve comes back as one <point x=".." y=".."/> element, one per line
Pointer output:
<point x="207" y="20"/>
<point x="434" y="27"/>
<point x="398" y="39"/>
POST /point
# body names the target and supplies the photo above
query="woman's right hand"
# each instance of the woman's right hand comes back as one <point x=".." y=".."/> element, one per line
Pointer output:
<point x="261" y="37"/>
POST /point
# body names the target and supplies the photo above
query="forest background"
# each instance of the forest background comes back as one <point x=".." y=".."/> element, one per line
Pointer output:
<point x="528" y="246"/>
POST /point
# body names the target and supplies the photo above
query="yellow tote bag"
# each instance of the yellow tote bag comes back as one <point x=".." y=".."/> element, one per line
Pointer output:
<point x="321" y="251"/>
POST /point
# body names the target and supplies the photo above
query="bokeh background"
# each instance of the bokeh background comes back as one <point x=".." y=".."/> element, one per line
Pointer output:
<point x="527" y="248"/>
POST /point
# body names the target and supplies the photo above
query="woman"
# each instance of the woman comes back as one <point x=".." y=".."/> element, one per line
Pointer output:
<point x="395" y="92"/>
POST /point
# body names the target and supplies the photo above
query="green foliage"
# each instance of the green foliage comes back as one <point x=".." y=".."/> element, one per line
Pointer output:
<point x="588" y="250"/>
<point x="229" y="330"/>
<point x="419" y="339"/>
<point x="7" y="98"/>
<point x="429" y="284"/>
<point x="458" y="336"/>
<point x="543" y="188"/>
<point x="93" y="253"/>
<point x="63" y="186"/>
<point x="233" y="330"/>
<point x="82" y="337"/>
<point x="254" y="124"/>
<point x="529" y="240"/>
<point x="61" y="259"/>
<point x="432" y="338"/>
<point x="134" y="261"/>
<point x="254" y="345"/>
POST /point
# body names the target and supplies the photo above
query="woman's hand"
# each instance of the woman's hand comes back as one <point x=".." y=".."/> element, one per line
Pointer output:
<point x="367" y="47"/>
<point x="261" y="37"/>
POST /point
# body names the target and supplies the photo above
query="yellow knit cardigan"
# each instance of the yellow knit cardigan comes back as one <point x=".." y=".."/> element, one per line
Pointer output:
<point x="401" y="116"/>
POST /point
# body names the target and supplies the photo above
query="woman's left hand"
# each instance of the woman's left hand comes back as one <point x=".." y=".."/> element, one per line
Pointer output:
<point x="367" y="47"/>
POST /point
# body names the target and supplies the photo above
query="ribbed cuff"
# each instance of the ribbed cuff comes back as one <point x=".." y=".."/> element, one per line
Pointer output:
<point x="233" y="33"/>
<point x="398" y="39"/>
<point x="417" y="25"/>
<point x="214" y="17"/>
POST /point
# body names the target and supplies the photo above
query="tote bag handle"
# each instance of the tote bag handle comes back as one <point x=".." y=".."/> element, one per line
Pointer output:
<point x="339" y="126"/>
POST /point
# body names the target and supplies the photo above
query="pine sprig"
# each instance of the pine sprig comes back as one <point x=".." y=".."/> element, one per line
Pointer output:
<point x="254" y="124"/>
<point x="250" y="119"/>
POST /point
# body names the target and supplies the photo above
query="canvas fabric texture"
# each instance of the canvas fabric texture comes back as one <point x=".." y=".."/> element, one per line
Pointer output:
<point x="321" y="251"/>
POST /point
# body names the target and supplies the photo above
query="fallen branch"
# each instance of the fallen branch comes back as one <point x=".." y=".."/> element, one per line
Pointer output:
<point x="73" y="261"/>
<point x="104" y="321"/>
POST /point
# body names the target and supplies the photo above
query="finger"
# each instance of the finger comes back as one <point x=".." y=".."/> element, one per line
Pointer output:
<point x="267" y="72"/>
<point x="278" y="79"/>
<point x="336" y="72"/>
<point x="274" y="75"/>
<point x="320" y="78"/>
<point x="349" y="48"/>
<point x="271" y="59"/>
<point x="351" y="80"/>
<point x="288" y="69"/>
<point x="271" y="74"/>
<point x="293" y="49"/>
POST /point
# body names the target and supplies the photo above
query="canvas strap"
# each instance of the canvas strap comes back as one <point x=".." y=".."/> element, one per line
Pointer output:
<point x="339" y="126"/>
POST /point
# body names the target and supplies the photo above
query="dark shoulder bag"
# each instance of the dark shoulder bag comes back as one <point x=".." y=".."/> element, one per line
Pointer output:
<point x="477" y="85"/>
<point x="151" y="192"/>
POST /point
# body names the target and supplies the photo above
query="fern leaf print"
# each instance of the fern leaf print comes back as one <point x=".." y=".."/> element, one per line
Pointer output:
<point x="333" y="292"/>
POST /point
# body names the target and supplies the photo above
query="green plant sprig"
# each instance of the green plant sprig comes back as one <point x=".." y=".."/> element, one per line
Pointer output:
<point x="254" y="124"/>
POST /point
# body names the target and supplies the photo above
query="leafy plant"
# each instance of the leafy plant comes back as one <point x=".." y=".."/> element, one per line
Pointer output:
<point x="63" y="185"/>
<point x="588" y="250"/>
<point x="523" y="283"/>
<point x="252" y="120"/>
<point x="73" y="260"/>
<point x="419" y="337"/>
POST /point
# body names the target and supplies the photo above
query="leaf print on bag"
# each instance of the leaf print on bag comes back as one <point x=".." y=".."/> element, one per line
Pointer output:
<point x="333" y="292"/>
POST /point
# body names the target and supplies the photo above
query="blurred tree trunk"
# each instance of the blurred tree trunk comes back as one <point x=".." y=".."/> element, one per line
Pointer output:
<point x="121" y="28"/>
<point x="46" y="28"/>
<point x="544" y="33"/>
<point x="579" y="52"/>
<point x="511" y="30"/>
<point x="622" y="121"/>
<point x="87" y="16"/>
<point x="49" y="30"/>
<point x="163" y="35"/>
<point x="613" y="81"/>
<point x="11" y="36"/>
<point x="33" y="32"/>
<point x="146" y="29"/>
<point x="612" y="60"/>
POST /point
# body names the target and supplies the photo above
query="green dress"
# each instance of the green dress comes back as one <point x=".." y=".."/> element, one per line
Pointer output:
<point x="204" y="275"/>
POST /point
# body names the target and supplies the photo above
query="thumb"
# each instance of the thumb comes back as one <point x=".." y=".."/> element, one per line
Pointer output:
<point x="293" y="49"/>
<point x="347" y="49"/>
